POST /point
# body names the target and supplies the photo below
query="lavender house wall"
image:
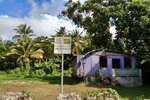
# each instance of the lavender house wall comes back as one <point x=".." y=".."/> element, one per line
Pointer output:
<point x="107" y="71"/>
<point x="90" y="63"/>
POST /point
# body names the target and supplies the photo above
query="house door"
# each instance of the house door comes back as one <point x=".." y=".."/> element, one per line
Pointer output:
<point x="115" y="62"/>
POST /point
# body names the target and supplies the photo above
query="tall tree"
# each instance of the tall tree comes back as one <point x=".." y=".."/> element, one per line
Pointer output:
<point x="23" y="31"/>
<point x="25" y="49"/>
<point x="78" y="43"/>
<point x="62" y="31"/>
<point x="131" y="18"/>
<point x="132" y="21"/>
<point x="5" y="61"/>
<point x="47" y="45"/>
<point x="94" y="17"/>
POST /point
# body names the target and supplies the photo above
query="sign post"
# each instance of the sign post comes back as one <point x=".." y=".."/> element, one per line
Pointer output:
<point x="62" y="68"/>
<point x="62" y="45"/>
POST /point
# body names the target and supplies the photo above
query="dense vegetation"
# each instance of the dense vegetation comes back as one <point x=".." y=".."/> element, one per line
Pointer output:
<point x="27" y="56"/>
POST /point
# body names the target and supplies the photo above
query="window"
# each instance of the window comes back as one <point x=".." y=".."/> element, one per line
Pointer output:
<point x="127" y="62"/>
<point x="103" y="61"/>
<point x="115" y="63"/>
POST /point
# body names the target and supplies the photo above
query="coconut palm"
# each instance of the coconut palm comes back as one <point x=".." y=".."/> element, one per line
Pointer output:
<point x="62" y="31"/>
<point x="24" y="31"/>
<point x="25" y="49"/>
<point x="78" y="43"/>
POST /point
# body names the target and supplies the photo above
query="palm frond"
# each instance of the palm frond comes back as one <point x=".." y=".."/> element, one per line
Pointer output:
<point x="8" y="54"/>
<point x="28" y="31"/>
<point x="16" y="37"/>
<point x="23" y="30"/>
<point x="39" y="51"/>
<point x="37" y="56"/>
<point x="15" y="51"/>
<point x="32" y="35"/>
<point x="18" y="31"/>
<point x="19" y="58"/>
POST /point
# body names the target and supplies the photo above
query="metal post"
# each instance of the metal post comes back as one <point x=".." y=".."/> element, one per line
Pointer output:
<point x="62" y="68"/>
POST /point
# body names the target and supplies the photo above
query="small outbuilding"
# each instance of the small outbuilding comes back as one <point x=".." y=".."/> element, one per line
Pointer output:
<point x="118" y="67"/>
<point x="104" y="59"/>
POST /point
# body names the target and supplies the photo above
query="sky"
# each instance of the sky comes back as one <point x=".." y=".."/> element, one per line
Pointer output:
<point x="41" y="15"/>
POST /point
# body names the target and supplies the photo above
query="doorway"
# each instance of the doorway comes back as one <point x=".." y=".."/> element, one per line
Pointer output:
<point x="115" y="63"/>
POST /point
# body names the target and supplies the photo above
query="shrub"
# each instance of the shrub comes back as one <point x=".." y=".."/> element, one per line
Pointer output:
<point x="84" y="78"/>
<point x="38" y="73"/>
<point x="12" y="72"/>
<point x="89" y="77"/>
<point x="97" y="76"/>
<point x="56" y="73"/>
<point x="49" y="66"/>
<point x="3" y="73"/>
<point x="101" y="94"/>
<point x="18" y="71"/>
<point x="20" y="64"/>
<point x="25" y="73"/>
<point x="27" y="93"/>
<point x="68" y="72"/>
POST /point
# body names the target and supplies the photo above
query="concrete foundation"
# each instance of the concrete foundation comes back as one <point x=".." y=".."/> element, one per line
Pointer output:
<point x="127" y="81"/>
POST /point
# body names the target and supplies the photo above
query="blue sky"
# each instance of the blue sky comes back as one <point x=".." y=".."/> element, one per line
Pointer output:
<point x="41" y="15"/>
<point x="14" y="8"/>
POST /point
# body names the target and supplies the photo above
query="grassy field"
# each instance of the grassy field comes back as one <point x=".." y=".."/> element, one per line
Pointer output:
<point x="48" y="87"/>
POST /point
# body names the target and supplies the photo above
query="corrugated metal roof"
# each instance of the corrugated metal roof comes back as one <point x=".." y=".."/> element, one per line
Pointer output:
<point x="103" y="50"/>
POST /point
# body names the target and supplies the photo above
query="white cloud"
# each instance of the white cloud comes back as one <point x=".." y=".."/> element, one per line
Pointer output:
<point x="82" y="1"/>
<point x="113" y="31"/>
<point x="42" y="24"/>
<point x="45" y="25"/>
<point x="54" y="8"/>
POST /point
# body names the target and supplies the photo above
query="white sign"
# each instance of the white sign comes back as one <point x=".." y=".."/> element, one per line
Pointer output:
<point x="62" y="45"/>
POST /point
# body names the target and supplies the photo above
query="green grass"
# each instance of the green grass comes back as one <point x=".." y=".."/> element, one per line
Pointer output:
<point x="68" y="80"/>
<point x="136" y="93"/>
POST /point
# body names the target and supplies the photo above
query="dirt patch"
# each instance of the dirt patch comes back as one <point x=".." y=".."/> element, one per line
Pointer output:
<point x="97" y="85"/>
<point x="19" y="82"/>
<point x="44" y="90"/>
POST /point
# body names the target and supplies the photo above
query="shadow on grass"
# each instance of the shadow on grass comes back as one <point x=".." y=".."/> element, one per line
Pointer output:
<point x="126" y="93"/>
<point x="134" y="93"/>
<point x="97" y="85"/>
<point x="67" y="80"/>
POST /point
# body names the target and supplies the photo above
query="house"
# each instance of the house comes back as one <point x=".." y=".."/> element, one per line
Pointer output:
<point x="118" y="67"/>
<point x="103" y="59"/>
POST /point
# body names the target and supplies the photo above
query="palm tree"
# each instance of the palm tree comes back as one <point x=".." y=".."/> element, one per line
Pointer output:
<point x="25" y="49"/>
<point x="62" y="31"/>
<point x="78" y="43"/>
<point x="23" y="31"/>
<point x="4" y="47"/>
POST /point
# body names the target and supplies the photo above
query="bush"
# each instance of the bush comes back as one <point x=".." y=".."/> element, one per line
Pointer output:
<point x="101" y="94"/>
<point x="97" y="76"/>
<point x="38" y="73"/>
<point x="25" y="73"/>
<point x="56" y="73"/>
<point x="18" y="71"/>
<point x="68" y="72"/>
<point x="12" y="72"/>
<point x="3" y="73"/>
<point x="49" y="66"/>
<point x="89" y="77"/>
<point x="84" y="78"/>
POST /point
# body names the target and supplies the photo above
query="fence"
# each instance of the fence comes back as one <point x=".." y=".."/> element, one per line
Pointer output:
<point x="127" y="72"/>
